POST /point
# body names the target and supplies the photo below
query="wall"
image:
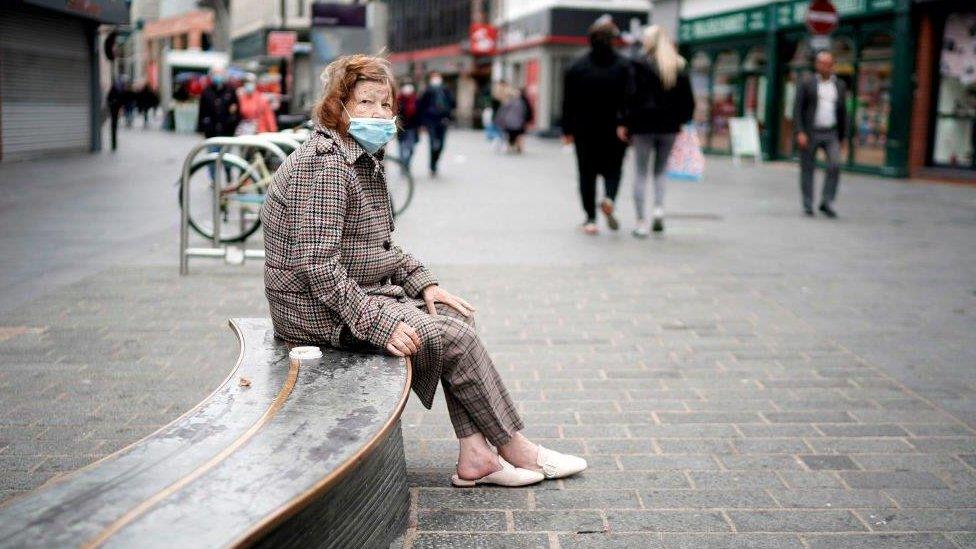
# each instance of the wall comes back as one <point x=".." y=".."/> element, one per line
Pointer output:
<point x="512" y="9"/>
<point x="665" y="13"/>
<point x="918" y="142"/>
<point x="697" y="8"/>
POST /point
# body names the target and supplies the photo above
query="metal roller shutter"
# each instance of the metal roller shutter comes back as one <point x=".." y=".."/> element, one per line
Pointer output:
<point x="45" y="85"/>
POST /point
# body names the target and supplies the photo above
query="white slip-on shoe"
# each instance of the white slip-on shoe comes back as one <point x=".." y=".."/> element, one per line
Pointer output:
<point x="508" y="475"/>
<point x="555" y="465"/>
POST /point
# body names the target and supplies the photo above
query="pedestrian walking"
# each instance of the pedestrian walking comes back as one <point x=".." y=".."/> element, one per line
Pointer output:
<point x="115" y="100"/>
<point x="493" y="134"/>
<point x="129" y="103"/>
<point x="256" y="114"/>
<point x="147" y="100"/>
<point x="512" y="117"/>
<point x="594" y="100"/>
<point x="660" y="102"/>
<point x="820" y="122"/>
<point x="219" y="110"/>
<point x="334" y="276"/>
<point x="436" y="108"/>
<point x="409" y="118"/>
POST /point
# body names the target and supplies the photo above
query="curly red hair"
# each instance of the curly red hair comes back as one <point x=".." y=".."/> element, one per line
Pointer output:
<point x="338" y="82"/>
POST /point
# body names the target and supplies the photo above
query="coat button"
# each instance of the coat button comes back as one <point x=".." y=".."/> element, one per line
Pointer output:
<point x="387" y="244"/>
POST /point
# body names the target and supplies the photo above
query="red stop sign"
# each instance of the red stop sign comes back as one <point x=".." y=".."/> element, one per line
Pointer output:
<point x="822" y="17"/>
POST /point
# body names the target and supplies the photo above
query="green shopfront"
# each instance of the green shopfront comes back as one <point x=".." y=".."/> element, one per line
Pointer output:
<point x="747" y="63"/>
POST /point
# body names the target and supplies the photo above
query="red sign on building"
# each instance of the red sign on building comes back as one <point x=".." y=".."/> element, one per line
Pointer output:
<point x="484" y="39"/>
<point x="822" y="17"/>
<point x="281" y="43"/>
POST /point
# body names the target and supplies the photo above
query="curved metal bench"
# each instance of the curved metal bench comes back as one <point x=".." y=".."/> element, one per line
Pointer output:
<point x="283" y="453"/>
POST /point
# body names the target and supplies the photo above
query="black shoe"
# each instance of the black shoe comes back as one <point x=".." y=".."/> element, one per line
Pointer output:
<point x="658" y="225"/>
<point x="808" y="212"/>
<point x="827" y="211"/>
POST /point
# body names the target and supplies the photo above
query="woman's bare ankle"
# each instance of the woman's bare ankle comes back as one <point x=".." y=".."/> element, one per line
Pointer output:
<point x="521" y="452"/>
<point x="476" y="458"/>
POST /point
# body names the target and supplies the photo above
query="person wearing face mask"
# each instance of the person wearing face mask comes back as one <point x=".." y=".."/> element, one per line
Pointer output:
<point x="334" y="276"/>
<point x="595" y="92"/>
<point x="218" y="112"/>
<point x="256" y="113"/>
<point x="436" y="110"/>
<point x="409" y="122"/>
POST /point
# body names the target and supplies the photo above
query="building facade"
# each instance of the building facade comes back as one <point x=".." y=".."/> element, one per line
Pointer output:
<point x="320" y="31"/>
<point x="747" y="61"/>
<point x="432" y="35"/>
<point x="540" y="39"/>
<point x="536" y="41"/>
<point x="50" y="83"/>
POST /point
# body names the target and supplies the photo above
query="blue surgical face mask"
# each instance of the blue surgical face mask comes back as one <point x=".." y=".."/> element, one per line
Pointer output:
<point x="372" y="133"/>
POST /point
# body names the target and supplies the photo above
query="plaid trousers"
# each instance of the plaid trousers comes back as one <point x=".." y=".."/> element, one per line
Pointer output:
<point x="477" y="399"/>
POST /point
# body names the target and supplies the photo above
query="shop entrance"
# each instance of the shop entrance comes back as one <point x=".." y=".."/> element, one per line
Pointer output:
<point x="863" y="60"/>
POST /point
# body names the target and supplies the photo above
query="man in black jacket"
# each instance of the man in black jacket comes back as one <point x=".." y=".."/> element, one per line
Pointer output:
<point x="594" y="96"/>
<point x="820" y="121"/>
<point x="218" y="114"/>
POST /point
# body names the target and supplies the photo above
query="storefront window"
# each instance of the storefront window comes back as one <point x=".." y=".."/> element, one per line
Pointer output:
<point x="701" y="68"/>
<point x="955" y="120"/>
<point x="754" y="99"/>
<point x="725" y="99"/>
<point x="843" y="49"/>
<point x="873" y="102"/>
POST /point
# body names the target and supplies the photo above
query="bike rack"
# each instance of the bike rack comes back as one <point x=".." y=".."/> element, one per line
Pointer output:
<point x="231" y="254"/>
<point x="283" y="140"/>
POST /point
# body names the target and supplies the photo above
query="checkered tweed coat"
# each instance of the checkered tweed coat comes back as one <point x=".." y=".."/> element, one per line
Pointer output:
<point x="332" y="274"/>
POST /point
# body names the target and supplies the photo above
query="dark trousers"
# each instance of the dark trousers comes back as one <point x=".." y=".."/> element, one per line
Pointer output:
<point x="598" y="157"/>
<point x="829" y="141"/>
<point x="436" y="133"/>
<point x="407" y="140"/>
<point x="114" y="125"/>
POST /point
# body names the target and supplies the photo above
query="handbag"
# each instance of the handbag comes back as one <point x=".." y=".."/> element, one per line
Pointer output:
<point x="686" y="162"/>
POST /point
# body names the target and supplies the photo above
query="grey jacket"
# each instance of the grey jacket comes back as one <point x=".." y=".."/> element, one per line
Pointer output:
<point x="805" y="106"/>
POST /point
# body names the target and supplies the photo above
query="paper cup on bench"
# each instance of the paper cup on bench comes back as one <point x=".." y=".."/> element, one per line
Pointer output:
<point x="305" y="353"/>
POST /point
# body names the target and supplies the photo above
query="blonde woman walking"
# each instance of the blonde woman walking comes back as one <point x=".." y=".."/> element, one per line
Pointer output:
<point x="660" y="103"/>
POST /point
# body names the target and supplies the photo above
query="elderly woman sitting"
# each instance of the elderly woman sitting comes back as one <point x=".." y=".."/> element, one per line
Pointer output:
<point x="333" y="275"/>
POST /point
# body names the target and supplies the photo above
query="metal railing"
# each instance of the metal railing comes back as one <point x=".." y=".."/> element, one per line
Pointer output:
<point x="271" y="143"/>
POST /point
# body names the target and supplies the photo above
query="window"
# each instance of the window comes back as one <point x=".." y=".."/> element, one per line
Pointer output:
<point x="872" y="106"/>
<point x="844" y="67"/>
<point x="700" y="75"/>
<point x="955" y="117"/>
<point x="754" y="98"/>
<point x="725" y="99"/>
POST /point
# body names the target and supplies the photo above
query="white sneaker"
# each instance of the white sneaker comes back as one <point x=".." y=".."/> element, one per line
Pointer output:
<point x="643" y="229"/>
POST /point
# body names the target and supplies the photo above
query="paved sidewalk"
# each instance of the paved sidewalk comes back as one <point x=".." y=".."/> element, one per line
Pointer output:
<point x="754" y="378"/>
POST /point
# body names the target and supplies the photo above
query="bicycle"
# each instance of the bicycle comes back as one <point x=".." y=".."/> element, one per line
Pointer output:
<point x="244" y="186"/>
<point x="246" y="183"/>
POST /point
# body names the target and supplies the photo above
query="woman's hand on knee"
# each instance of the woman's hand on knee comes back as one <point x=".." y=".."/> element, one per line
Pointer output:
<point x="405" y="340"/>
<point x="435" y="294"/>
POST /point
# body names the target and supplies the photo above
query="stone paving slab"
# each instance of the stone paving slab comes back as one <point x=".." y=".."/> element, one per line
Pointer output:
<point x="751" y="380"/>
